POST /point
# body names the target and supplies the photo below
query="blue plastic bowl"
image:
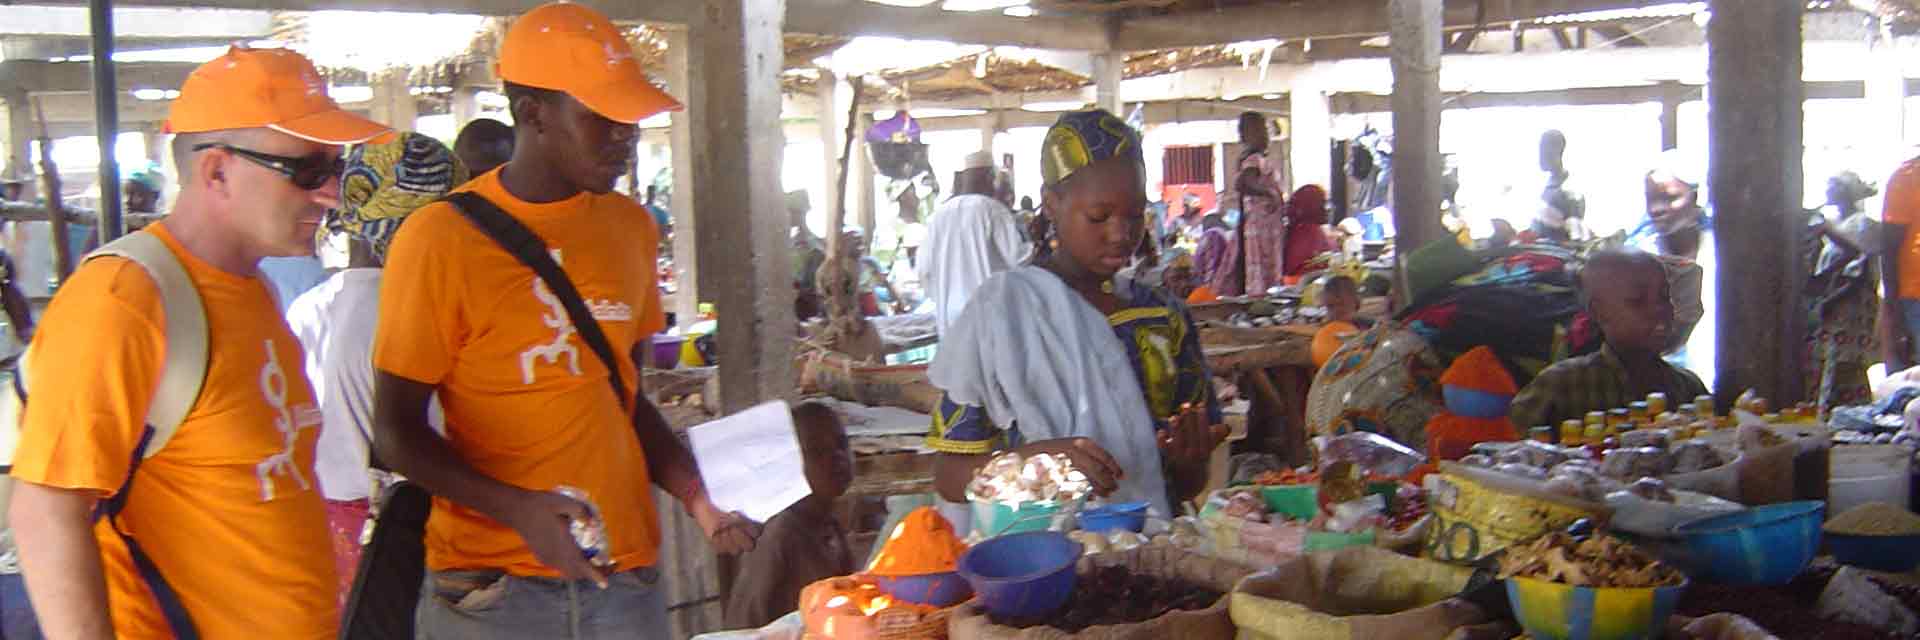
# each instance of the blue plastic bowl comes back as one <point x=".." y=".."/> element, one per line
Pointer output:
<point x="941" y="590"/>
<point x="1476" y="404"/>
<point x="1763" y="545"/>
<point x="1892" y="554"/>
<point x="1023" y="574"/>
<point x="1131" y="516"/>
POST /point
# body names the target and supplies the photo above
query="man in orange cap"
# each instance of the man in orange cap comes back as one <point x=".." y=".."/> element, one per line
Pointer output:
<point x="527" y="401"/>
<point x="216" y="530"/>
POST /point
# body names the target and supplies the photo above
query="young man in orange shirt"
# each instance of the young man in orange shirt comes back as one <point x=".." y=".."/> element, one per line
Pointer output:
<point x="226" y="511"/>
<point x="1900" y="268"/>
<point x="527" y="403"/>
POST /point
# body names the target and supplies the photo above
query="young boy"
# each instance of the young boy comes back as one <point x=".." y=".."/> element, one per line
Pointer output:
<point x="804" y="543"/>
<point x="1626" y="293"/>
<point x="1341" y="295"/>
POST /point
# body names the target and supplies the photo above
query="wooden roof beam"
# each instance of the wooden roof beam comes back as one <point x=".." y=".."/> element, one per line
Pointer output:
<point x="1327" y="20"/>
<point x="820" y="17"/>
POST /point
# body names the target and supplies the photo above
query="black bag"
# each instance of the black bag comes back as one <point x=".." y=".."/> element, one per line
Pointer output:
<point x="393" y="565"/>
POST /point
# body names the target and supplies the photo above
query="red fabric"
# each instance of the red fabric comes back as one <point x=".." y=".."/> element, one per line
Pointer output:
<point x="1306" y="229"/>
<point x="1451" y="437"/>
<point x="345" y="520"/>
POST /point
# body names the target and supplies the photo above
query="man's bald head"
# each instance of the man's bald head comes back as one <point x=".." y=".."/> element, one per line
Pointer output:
<point x="1626" y="291"/>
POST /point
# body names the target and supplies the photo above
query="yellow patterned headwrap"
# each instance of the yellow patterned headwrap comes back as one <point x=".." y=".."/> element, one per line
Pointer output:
<point x="1082" y="138"/>
<point x="384" y="182"/>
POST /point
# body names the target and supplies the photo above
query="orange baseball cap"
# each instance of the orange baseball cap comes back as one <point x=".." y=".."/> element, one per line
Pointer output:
<point x="574" y="50"/>
<point x="273" y="88"/>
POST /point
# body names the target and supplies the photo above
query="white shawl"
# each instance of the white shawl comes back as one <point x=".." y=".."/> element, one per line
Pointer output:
<point x="1036" y="355"/>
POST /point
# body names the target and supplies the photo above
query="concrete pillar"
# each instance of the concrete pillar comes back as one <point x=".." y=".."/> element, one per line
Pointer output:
<point x="392" y="105"/>
<point x="465" y="103"/>
<point x="1108" y="69"/>
<point x="155" y="143"/>
<point x="1754" y="179"/>
<point x="989" y="127"/>
<point x="1671" y="95"/>
<point x="745" y="241"/>
<point x="1887" y="96"/>
<point x="20" y="133"/>
<point x="1312" y="141"/>
<point x="860" y="181"/>
<point x="689" y="165"/>
<point x="1416" y="45"/>
<point x="830" y="137"/>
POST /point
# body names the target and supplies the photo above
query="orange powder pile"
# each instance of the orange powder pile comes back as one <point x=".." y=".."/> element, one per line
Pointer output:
<point x="923" y="543"/>
<point x="1480" y="370"/>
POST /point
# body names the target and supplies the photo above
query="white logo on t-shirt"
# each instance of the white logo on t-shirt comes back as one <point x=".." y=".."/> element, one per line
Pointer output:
<point x="556" y="319"/>
<point x="273" y="385"/>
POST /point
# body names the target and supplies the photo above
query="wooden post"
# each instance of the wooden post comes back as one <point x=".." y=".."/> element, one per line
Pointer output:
<point x="1671" y="95"/>
<point x="1754" y="178"/>
<point x="57" y="220"/>
<point x="1416" y="40"/>
<point x="860" y="179"/>
<point x="744" y="244"/>
<point x="686" y="140"/>
<point x="1108" y="69"/>
<point x="20" y="141"/>
<point x="830" y="143"/>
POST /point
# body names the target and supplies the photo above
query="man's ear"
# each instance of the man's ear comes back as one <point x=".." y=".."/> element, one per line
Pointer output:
<point x="529" y="111"/>
<point x="210" y="170"/>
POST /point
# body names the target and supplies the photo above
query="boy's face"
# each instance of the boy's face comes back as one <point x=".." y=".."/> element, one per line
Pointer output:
<point x="1633" y="308"/>
<point x="828" y="458"/>
<point x="1342" y="305"/>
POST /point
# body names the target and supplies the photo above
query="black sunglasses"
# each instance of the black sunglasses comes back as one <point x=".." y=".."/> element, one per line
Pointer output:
<point x="309" y="172"/>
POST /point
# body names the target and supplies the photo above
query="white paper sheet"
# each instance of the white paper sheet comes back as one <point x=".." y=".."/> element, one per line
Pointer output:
<point x="751" y="461"/>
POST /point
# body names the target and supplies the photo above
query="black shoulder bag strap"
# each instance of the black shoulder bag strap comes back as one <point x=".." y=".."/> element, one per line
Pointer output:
<point x="520" y="241"/>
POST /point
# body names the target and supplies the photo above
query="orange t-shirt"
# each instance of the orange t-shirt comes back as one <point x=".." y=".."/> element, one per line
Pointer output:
<point x="527" y="402"/>
<point x="1903" y="208"/>
<point x="229" y="509"/>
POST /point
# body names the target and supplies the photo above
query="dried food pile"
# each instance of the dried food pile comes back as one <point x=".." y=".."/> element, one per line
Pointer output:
<point x="1115" y="595"/>
<point x="1598" y="561"/>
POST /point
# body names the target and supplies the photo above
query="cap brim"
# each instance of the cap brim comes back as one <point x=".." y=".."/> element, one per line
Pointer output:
<point x="628" y="102"/>
<point x="332" y="127"/>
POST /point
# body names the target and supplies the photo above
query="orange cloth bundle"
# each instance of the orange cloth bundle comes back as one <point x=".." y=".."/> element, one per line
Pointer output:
<point x="1480" y="370"/>
<point x="923" y="543"/>
<point x="1329" y="339"/>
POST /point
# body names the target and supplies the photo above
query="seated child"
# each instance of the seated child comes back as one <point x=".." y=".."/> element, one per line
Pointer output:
<point x="1626" y="294"/>
<point x="1342" y="298"/>
<point x="804" y="543"/>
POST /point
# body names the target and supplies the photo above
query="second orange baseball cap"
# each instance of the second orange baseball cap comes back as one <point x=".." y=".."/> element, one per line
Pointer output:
<point x="277" y="89"/>
<point x="575" y="50"/>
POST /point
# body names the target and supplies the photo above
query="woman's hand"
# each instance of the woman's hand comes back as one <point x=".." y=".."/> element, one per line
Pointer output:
<point x="1189" y="440"/>
<point x="1088" y="458"/>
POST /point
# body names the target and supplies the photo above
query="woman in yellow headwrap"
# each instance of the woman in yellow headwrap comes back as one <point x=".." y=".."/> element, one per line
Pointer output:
<point x="1061" y="356"/>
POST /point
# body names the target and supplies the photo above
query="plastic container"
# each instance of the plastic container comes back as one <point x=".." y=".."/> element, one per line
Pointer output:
<point x="1131" y="516"/>
<point x="1556" y="611"/>
<point x="1763" y="545"/>
<point x="1476" y="404"/>
<point x="1024" y="574"/>
<point x="999" y="518"/>
<point x="1869" y="473"/>
<point x="666" y="351"/>
<point x="1892" y="554"/>
<point x="941" y="590"/>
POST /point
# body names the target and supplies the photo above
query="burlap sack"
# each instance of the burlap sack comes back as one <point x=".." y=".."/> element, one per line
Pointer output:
<point x="970" y="622"/>
<point x="1356" y="594"/>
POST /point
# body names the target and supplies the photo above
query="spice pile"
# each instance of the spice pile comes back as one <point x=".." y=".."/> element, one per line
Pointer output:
<point x="1114" y="595"/>
<point x="1598" y="561"/>
<point x="1787" y="611"/>
<point x="1875" y="519"/>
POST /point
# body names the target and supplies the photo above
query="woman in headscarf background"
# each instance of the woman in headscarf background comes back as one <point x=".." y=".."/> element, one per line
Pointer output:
<point x="1262" y="203"/>
<point x="383" y="184"/>
<point x="1306" y="229"/>
<point x="1060" y="356"/>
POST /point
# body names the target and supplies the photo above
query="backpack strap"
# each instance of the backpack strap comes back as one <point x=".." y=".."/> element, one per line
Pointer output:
<point x="185" y="369"/>
<point x="183" y="373"/>
<point x="516" y="239"/>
